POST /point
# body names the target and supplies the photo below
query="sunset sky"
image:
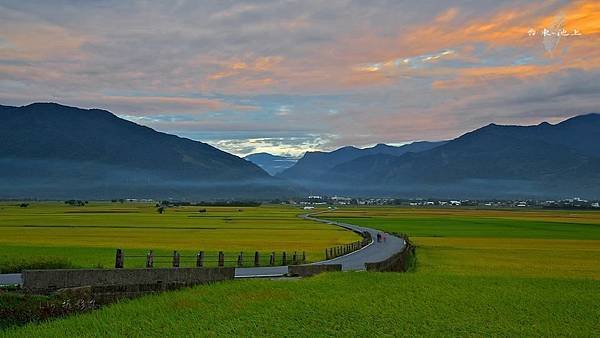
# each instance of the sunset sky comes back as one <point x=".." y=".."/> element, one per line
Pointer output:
<point x="291" y="76"/>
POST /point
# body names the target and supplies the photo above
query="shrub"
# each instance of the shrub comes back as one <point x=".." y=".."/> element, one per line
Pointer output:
<point x="35" y="263"/>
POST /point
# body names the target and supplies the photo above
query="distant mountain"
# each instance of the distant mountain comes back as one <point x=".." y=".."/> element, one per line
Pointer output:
<point x="494" y="161"/>
<point x="49" y="150"/>
<point x="315" y="164"/>
<point x="272" y="164"/>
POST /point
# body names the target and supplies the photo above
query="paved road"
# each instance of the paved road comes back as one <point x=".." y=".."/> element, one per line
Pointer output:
<point x="10" y="279"/>
<point x="373" y="252"/>
<point x="356" y="260"/>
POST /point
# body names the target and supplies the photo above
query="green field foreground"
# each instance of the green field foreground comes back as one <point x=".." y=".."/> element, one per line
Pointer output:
<point x="52" y="232"/>
<point x="518" y="278"/>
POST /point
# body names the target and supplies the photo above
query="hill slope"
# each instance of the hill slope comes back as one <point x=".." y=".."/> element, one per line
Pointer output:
<point x="49" y="150"/>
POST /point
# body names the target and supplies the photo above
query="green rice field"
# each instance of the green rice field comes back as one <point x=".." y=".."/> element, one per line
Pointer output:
<point x="505" y="273"/>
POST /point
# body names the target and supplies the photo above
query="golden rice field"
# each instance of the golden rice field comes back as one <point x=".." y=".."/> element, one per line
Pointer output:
<point x="88" y="236"/>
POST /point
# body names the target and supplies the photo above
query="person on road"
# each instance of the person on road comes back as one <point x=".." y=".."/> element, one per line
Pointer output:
<point x="384" y="237"/>
<point x="378" y="237"/>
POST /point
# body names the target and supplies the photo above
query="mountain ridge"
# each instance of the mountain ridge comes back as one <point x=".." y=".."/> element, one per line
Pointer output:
<point x="52" y="140"/>
<point x="554" y="160"/>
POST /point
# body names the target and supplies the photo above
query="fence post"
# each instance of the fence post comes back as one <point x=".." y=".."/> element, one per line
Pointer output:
<point x="119" y="259"/>
<point x="221" y="258"/>
<point x="200" y="259"/>
<point x="256" y="259"/>
<point x="326" y="254"/>
<point x="241" y="259"/>
<point x="295" y="259"/>
<point x="150" y="259"/>
<point x="303" y="256"/>
<point x="175" y="259"/>
<point x="284" y="259"/>
<point x="272" y="259"/>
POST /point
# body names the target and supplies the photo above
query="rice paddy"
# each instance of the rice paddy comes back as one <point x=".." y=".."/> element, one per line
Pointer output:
<point x="87" y="236"/>
<point x="478" y="273"/>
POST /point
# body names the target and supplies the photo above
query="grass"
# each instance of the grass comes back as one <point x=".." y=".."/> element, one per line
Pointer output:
<point x="476" y="223"/>
<point x="529" y="282"/>
<point x="350" y="304"/>
<point x="88" y="236"/>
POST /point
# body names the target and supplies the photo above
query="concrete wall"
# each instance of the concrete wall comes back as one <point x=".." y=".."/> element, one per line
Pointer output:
<point x="397" y="263"/>
<point x="310" y="270"/>
<point x="158" y="279"/>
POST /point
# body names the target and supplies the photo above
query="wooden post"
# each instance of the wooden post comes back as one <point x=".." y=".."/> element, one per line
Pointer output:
<point x="241" y="259"/>
<point x="221" y="258"/>
<point x="284" y="259"/>
<point x="326" y="254"/>
<point x="303" y="256"/>
<point x="150" y="259"/>
<point x="295" y="259"/>
<point x="200" y="259"/>
<point x="272" y="259"/>
<point x="119" y="259"/>
<point x="175" y="259"/>
<point x="256" y="259"/>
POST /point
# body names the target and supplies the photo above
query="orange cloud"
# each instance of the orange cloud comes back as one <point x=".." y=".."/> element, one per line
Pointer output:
<point x="507" y="28"/>
<point x="236" y="67"/>
<point x="40" y="42"/>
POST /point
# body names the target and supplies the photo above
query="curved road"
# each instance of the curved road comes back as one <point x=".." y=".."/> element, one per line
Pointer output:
<point x="356" y="260"/>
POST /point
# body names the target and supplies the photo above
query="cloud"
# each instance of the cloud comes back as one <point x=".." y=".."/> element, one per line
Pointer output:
<point x="292" y="76"/>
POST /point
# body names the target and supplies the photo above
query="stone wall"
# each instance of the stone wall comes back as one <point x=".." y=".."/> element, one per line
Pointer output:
<point x="310" y="270"/>
<point x="396" y="263"/>
<point x="129" y="280"/>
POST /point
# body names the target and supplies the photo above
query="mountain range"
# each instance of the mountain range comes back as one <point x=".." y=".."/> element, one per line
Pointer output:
<point x="272" y="164"/>
<point x="317" y="163"/>
<point x="491" y="162"/>
<point x="53" y="151"/>
<point x="49" y="150"/>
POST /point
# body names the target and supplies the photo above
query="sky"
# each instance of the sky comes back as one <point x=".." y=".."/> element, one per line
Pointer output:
<point x="292" y="76"/>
